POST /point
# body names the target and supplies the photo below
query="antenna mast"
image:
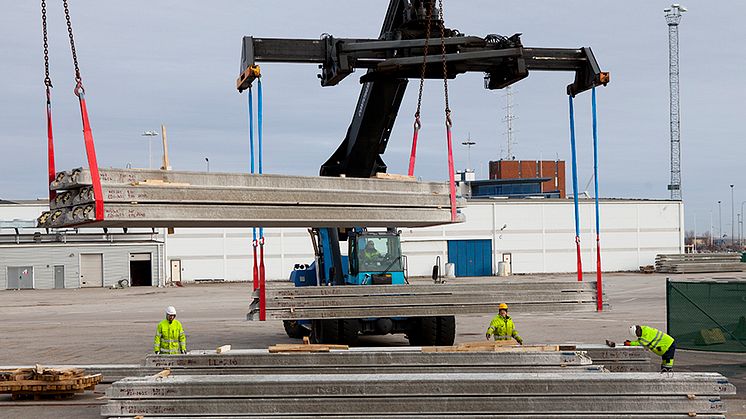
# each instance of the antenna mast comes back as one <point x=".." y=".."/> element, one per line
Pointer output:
<point x="673" y="17"/>
<point x="508" y="119"/>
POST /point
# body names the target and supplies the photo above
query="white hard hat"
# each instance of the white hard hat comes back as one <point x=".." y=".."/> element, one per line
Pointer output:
<point x="171" y="311"/>
<point x="633" y="331"/>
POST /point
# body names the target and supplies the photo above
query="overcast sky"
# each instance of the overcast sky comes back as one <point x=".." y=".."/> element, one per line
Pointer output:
<point x="175" y="62"/>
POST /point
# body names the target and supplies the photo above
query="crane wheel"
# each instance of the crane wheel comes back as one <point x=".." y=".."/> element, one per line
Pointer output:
<point x="446" y="330"/>
<point x="294" y="329"/>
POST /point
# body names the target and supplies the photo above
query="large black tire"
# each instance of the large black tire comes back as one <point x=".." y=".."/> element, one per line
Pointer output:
<point x="325" y="331"/>
<point x="315" y="336"/>
<point x="424" y="331"/>
<point x="295" y="330"/>
<point x="446" y="330"/>
<point x="349" y="328"/>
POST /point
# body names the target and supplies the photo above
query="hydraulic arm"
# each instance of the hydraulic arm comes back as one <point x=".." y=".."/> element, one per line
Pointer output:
<point x="395" y="57"/>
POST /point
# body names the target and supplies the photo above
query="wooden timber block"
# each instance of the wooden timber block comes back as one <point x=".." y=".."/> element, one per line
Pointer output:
<point x="162" y="374"/>
<point x="394" y="176"/>
<point x="223" y="349"/>
<point x="492" y="348"/>
<point x="305" y="347"/>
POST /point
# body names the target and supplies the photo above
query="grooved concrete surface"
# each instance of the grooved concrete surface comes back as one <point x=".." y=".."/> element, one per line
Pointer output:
<point x="87" y="326"/>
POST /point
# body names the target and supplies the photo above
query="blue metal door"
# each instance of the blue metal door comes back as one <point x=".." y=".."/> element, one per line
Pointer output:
<point x="471" y="257"/>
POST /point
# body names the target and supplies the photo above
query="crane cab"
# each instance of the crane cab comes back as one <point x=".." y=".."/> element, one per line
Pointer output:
<point x="375" y="258"/>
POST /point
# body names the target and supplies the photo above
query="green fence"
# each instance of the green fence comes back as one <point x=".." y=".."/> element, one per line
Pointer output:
<point x="707" y="315"/>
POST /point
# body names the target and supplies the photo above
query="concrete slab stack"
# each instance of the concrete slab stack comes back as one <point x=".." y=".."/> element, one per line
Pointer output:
<point x="158" y="198"/>
<point x="620" y="358"/>
<point x="286" y="303"/>
<point x="423" y="394"/>
<point x="359" y="360"/>
<point x="699" y="263"/>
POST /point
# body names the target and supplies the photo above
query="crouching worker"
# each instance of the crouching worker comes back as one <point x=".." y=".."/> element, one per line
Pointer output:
<point x="660" y="343"/>
<point x="502" y="326"/>
<point x="169" y="336"/>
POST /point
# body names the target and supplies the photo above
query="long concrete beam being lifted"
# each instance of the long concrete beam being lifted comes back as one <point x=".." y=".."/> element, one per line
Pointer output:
<point x="155" y="198"/>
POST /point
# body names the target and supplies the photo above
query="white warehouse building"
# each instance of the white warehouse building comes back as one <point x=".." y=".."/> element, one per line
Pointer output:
<point x="532" y="235"/>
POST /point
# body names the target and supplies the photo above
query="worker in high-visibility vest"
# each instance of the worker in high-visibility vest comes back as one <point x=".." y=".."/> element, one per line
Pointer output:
<point x="169" y="336"/>
<point x="502" y="326"/>
<point x="659" y="342"/>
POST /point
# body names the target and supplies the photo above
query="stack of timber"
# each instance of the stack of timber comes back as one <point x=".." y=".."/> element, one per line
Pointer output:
<point x="39" y="382"/>
<point x="699" y="263"/>
<point x="159" y="198"/>
<point x="418" y="300"/>
<point x="545" y="395"/>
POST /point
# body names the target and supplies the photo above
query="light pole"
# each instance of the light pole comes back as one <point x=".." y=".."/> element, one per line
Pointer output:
<point x="149" y="135"/>
<point x="468" y="143"/>
<point x="208" y="164"/>
<point x="694" y="241"/>
<point x="711" y="239"/>
<point x="732" y="217"/>
<point x="740" y="237"/>
<point x="720" y="221"/>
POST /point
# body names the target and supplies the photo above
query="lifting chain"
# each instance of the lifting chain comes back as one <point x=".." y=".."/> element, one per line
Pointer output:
<point x="443" y="56"/>
<point x="417" y="123"/>
<point x="47" y="80"/>
<point x="79" y="83"/>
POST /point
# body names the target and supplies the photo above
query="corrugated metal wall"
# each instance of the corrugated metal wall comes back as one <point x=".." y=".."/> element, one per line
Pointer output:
<point x="539" y="233"/>
<point x="44" y="257"/>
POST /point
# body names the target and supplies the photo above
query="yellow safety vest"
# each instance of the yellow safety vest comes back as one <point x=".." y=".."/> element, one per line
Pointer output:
<point x="169" y="337"/>
<point x="503" y="328"/>
<point x="653" y="339"/>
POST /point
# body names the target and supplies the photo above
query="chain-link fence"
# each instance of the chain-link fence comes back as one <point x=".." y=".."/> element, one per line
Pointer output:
<point x="707" y="315"/>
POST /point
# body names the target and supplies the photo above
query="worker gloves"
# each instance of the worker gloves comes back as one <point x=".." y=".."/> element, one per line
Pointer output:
<point x="488" y="335"/>
<point x="627" y="343"/>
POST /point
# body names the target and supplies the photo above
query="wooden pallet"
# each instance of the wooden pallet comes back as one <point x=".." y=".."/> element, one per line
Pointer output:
<point x="38" y="382"/>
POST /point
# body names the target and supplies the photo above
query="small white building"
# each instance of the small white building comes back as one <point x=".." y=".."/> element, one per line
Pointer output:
<point x="532" y="235"/>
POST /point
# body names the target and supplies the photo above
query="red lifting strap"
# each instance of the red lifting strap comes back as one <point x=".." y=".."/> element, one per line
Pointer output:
<point x="52" y="172"/>
<point x="90" y="151"/>
<point x="451" y="169"/>
<point x="413" y="154"/>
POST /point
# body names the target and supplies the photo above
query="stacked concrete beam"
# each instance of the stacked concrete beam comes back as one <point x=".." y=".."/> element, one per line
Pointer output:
<point x="429" y="394"/>
<point x="352" y="361"/>
<point x="156" y="198"/>
<point x="620" y="358"/>
<point x="699" y="263"/>
<point x="287" y="303"/>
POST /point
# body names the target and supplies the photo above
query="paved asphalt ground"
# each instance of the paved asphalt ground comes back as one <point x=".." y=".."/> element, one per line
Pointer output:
<point x="97" y="326"/>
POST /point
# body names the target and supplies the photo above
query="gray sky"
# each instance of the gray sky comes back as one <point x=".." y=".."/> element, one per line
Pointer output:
<point x="146" y="62"/>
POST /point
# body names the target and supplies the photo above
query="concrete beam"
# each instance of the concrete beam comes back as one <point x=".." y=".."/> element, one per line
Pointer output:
<point x="446" y="384"/>
<point x="78" y="178"/>
<point x="418" y="405"/>
<point x="356" y="357"/>
<point x="224" y="195"/>
<point x="224" y="216"/>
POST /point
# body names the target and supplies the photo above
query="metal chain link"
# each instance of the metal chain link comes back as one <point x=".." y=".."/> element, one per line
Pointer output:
<point x="72" y="40"/>
<point x="47" y="80"/>
<point x="443" y="56"/>
<point x="424" y="63"/>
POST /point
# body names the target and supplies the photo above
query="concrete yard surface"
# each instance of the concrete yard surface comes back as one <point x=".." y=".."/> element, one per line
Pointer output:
<point x="106" y="326"/>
